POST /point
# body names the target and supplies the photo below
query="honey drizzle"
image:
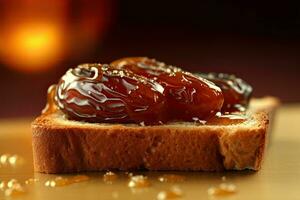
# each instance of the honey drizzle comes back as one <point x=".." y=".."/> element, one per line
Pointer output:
<point x="227" y="119"/>
<point x="51" y="105"/>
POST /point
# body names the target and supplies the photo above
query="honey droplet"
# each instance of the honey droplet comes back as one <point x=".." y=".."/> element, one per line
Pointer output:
<point x="10" y="160"/>
<point x="110" y="177"/>
<point x="173" y="193"/>
<point x="14" y="191"/>
<point x="57" y="182"/>
<point x="3" y="185"/>
<point x="4" y="159"/>
<point x="12" y="183"/>
<point x="223" y="189"/>
<point x="172" y="178"/>
<point x="60" y="181"/>
<point x="12" y="188"/>
<point x="138" y="181"/>
<point x="15" y="160"/>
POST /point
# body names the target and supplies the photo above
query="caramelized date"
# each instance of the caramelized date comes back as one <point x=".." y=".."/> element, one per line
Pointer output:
<point x="236" y="92"/>
<point x="98" y="93"/>
<point x="187" y="96"/>
<point x="143" y="90"/>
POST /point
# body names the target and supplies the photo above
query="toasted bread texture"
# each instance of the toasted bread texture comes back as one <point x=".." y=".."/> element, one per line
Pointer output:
<point x="65" y="146"/>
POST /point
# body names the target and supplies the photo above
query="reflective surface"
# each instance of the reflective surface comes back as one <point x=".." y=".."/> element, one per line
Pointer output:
<point x="278" y="179"/>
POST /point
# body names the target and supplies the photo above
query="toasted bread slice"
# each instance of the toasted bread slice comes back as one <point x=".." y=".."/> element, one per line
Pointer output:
<point x="64" y="146"/>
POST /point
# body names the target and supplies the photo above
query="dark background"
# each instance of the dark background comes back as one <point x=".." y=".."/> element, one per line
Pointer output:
<point x="257" y="41"/>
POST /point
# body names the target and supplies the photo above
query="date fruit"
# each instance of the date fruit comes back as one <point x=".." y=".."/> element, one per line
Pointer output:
<point x="236" y="91"/>
<point x="98" y="93"/>
<point x="187" y="96"/>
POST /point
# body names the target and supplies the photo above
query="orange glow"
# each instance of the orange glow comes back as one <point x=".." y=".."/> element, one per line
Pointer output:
<point x="36" y="36"/>
<point x="32" y="47"/>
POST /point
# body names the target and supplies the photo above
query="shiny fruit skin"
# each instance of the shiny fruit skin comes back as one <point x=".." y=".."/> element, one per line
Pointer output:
<point x="188" y="96"/>
<point x="97" y="93"/>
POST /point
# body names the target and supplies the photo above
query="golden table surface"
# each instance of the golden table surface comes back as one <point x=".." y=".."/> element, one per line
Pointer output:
<point x="279" y="177"/>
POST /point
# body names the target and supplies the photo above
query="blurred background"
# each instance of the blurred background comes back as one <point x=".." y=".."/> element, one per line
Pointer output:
<point x="40" y="40"/>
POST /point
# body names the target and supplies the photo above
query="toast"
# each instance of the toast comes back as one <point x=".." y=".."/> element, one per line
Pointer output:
<point x="66" y="146"/>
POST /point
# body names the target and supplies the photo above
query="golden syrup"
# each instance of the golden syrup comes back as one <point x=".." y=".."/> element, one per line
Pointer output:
<point x="110" y="177"/>
<point x="139" y="181"/>
<point x="172" y="193"/>
<point x="172" y="178"/>
<point x="222" y="190"/>
<point x="60" y="181"/>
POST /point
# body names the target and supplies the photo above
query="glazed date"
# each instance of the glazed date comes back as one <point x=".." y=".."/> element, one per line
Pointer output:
<point x="143" y="90"/>
<point x="188" y="96"/>
<point x="98" y="93"/>
<point x="236" y="91"/>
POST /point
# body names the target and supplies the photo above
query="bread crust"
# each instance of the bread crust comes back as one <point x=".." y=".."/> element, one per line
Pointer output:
<point x="64" y="146"/>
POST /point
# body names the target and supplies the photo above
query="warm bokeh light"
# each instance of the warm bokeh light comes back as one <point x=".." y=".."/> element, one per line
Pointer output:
<point x="32" y="47"/>
<point x="37" y="36"/>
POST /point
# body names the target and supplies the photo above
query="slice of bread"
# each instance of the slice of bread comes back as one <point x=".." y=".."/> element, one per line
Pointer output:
<point x="64" y="146"/>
